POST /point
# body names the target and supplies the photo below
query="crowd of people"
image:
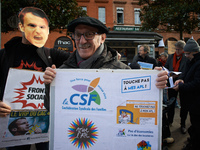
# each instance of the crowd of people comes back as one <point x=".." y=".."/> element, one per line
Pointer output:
<point x="183" y="67"/>
<point x="92" y="53"/>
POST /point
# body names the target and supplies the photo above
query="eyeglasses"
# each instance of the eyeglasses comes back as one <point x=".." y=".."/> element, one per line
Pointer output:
<point x="188" y="53"/>
<point x="87" y="35"/>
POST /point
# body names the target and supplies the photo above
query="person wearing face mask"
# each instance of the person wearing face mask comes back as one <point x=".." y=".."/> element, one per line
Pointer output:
<point x="28" y="52"/>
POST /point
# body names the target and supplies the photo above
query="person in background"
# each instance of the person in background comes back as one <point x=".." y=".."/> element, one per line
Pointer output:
<point x="188" y="85"/>
<point x="28" y="52"/>
<point x="176" y="62"/>
<point x="143" y="56"/>
<point x="161" y="63"/>
<point x="163" y="59"/>
<point x="166" y="133"/>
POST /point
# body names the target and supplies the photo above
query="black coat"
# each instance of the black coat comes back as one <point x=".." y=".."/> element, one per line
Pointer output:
<point x="146" y="59"/>
<point x="190" y="90"/>
<point x="169" y="63"/>
<point x="107" y="59"/>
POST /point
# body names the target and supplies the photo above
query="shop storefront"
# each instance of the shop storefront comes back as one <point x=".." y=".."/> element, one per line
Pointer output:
<point x="126" y="43"/>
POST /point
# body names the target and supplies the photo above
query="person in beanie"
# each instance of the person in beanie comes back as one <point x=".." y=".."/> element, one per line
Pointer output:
<point x="176" y="62"/>
<point x="188" y="85"/>
<point x="92" y="52"/>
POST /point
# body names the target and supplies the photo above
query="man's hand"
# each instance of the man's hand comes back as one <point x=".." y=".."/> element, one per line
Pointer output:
<point x="118" y="56"/>
<point x="4" y="109"/>
<point x="161" y="79"/>
<point x="176" y="84"/>
<point x="49" y="74"/>
<point x="178" y="81"/>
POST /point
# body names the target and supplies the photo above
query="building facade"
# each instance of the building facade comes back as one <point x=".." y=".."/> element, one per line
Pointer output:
<point x="124" y="25"/>
<point x="122" y="19"/>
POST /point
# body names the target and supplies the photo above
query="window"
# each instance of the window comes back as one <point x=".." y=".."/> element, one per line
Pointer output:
<point x="137" y="15"/>
<point x="120" y="15"/>
<point x="84" y="8"/>
<point x="102" y="14"/>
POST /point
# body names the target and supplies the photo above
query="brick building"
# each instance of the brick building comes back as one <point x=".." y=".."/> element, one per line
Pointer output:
<point x="122" y="19"/>
<point x="124" y="27"/>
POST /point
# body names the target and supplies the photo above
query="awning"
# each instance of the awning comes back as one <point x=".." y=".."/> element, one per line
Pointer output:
<point x="134" y="36"/>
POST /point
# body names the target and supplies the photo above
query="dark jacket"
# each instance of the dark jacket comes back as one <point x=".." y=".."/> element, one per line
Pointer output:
<point x="190" y="90"/>
<point x="7" y="56"/>
<point x="169" y="63"/>
<point x="146" y="59"/>
<point x="107" y="59"/>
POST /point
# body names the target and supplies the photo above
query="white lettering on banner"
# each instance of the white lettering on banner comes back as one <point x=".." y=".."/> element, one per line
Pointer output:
<point x="82" y="133"/>
<point x="144" y="106"/>
<point x="147" y="110"/>
<point x="64" y="42"/>
<point x="147" y="121"/>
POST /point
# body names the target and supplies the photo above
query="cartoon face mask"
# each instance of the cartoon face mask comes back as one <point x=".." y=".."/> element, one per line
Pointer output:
<point x="35" y="28"/>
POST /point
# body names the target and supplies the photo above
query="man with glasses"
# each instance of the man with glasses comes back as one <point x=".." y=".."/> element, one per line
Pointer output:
<point x="176" y="62"/>
<point x="188" y="85"/>
<point x="89" y="35"/>
<point x="143" y="56"/>
<point x="92" y="53"/>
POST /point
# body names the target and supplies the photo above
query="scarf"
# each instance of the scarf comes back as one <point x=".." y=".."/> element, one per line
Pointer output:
<point x="87" y="63"/>
<point x="176" y="63"/>
<point x="163" y="62"/>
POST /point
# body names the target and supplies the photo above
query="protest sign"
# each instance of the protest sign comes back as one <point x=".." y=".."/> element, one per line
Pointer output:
<point x="144" y="65"/>
<point x="105" y="109"/>
<point x="28" y="122"/>
<point x="24" y="127"/>
<point x="24" y="89"/>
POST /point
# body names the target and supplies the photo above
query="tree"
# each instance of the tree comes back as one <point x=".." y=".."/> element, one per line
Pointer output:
<point x="167" y="15"/>
<point x="60" y="12"/>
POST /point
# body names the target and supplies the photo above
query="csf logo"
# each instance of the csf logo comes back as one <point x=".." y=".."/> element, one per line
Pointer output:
<point x="85" y="94"/>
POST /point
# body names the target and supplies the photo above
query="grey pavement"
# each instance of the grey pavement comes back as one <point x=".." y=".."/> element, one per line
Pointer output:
<point x="180" y="139"/>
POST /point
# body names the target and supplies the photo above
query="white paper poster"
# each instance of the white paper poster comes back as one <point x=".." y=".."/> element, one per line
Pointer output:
<point x="24" y="89"/>
<point x="105" y="109"/>
<point x="28" y="122"/>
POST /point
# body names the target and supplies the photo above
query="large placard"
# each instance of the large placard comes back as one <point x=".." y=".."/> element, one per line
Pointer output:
<point x="105" y="109"/>
<point x="28" y="122"/>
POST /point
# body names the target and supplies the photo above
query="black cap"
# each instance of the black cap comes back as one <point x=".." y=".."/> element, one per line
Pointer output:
<point x="87" y="21"/>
